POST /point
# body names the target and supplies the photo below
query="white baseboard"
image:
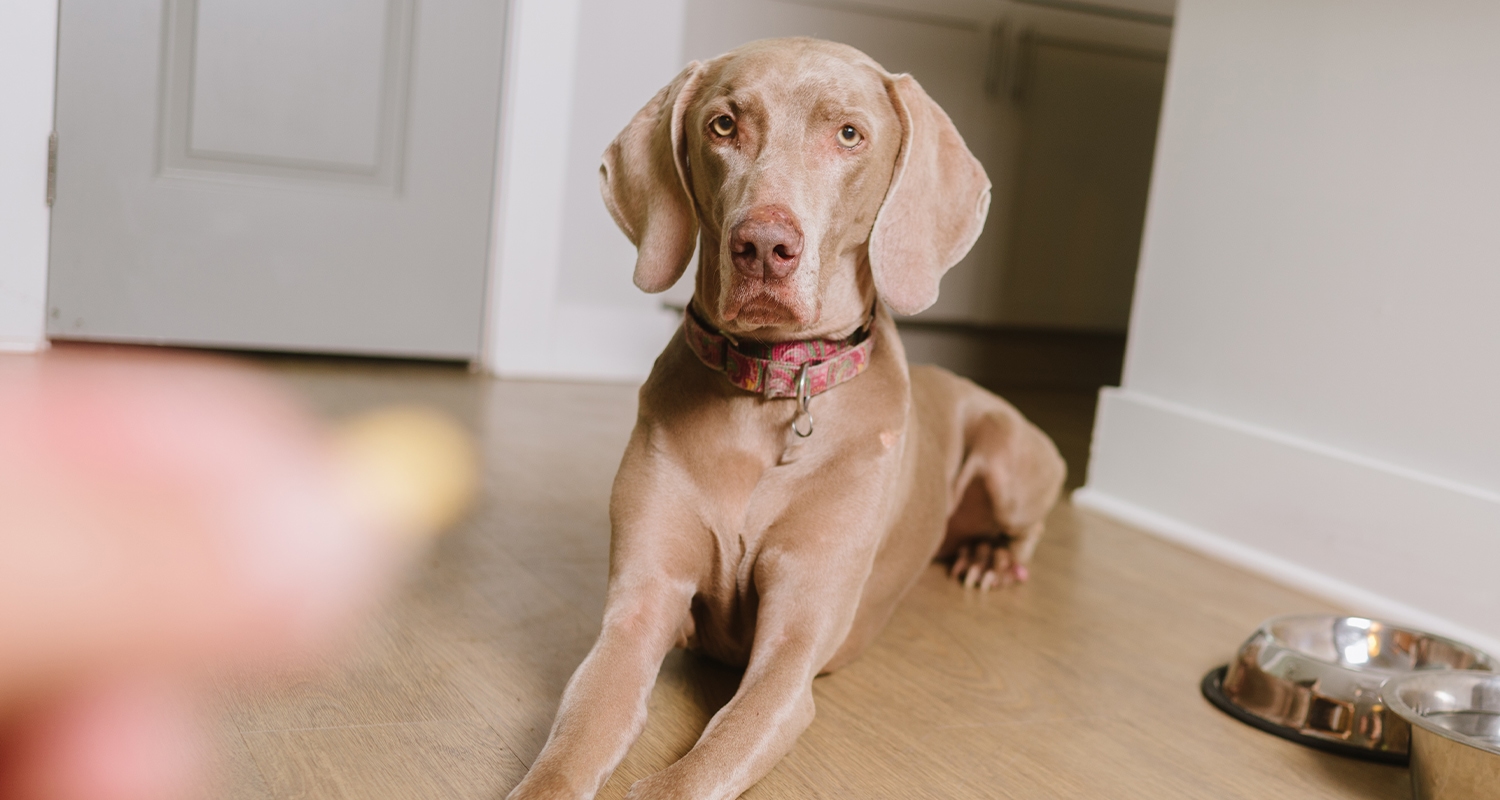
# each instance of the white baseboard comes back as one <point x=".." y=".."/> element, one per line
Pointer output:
<point x="25" y="345"/>
<point x="1376" y="538"/>
<point x="586" y="342"/>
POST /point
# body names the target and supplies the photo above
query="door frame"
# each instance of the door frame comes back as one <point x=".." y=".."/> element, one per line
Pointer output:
<point x="28" y="69"/>
<point x="532" y="329"/>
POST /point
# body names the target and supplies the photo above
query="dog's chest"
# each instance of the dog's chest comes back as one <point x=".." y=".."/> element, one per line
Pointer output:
<point x="745" y="496"/>
<point x="746" y="501"/>
<point x="757" y="505"/>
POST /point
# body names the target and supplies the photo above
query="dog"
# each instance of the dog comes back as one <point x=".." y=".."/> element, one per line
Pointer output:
<point x="789" y="475"/>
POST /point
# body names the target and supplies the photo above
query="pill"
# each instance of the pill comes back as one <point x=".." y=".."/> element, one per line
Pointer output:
<point x="415" y="470"/>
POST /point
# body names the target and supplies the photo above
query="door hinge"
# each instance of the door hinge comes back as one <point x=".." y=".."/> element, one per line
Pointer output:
<point x="51" y="169"/>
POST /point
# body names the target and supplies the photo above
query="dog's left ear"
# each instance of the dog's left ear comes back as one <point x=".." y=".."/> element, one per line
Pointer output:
<point x="935" y="207"/>
<point x="644" y="183"/>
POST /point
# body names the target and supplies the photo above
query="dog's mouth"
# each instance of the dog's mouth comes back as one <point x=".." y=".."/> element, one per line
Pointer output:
<point x="758" y="303"/>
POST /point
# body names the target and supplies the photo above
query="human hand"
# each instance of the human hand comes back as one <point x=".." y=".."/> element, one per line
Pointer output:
<point x="163" y="520"/>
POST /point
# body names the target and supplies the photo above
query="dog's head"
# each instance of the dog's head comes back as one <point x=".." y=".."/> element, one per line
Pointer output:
<point x="816" y="178"/>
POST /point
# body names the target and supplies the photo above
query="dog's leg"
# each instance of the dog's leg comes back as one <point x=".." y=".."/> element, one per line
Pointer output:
<point x="806" y="610"/>
<point x="1011" y="477"/>
<point x="603" y="708"/>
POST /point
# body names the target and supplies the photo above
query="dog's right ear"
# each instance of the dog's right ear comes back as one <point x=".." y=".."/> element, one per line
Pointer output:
<point x="645" y="185"/>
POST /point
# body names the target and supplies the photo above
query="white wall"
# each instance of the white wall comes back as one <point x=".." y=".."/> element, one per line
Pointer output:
<point x="28" y="50"/>
<point x="1313" y="375"/>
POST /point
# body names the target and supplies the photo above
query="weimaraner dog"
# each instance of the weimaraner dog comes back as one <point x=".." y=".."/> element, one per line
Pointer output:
<point x="789" y="476"/>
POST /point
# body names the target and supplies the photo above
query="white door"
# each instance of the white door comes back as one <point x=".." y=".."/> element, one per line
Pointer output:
<point x="311" y="175"/>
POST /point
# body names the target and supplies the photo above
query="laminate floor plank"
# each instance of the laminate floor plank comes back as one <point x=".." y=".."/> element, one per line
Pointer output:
<point x="410" y="761"/>
<point x="388" y="677"/>
<point x="233" y="773"/>
<point x="514" y="691"/>
<point x="495" y="598"/>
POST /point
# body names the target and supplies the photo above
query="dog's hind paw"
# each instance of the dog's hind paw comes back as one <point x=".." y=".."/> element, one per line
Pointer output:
<point x="987" y="563"/>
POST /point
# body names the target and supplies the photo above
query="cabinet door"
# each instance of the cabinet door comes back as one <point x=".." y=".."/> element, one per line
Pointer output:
<point x="280" y="174"/>
<point x="1088" y="134"/>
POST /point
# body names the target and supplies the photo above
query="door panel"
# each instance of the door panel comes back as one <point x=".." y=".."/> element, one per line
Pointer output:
<point x="278" y="174"/>
<point x="244" y="93"/>
<point x="312" y="92"/>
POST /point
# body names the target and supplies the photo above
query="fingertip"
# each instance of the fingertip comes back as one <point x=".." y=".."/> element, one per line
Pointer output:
<point x="124" y="742"/>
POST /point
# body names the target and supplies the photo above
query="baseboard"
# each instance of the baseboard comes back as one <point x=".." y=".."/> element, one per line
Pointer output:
<point x="1376" y="538"/>
<point x="25" y="345"/>
<point x="590" y="343"/>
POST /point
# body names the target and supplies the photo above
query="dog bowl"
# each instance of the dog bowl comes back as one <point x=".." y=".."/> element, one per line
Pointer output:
<point x="1315" y="679"/>
<point x="1455" y="732"/>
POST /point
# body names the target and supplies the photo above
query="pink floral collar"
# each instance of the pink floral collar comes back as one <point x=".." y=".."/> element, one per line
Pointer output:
<point x="798" y="369"/>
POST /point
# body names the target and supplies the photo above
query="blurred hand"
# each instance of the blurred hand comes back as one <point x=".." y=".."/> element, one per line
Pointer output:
<point x="161" y="520"/>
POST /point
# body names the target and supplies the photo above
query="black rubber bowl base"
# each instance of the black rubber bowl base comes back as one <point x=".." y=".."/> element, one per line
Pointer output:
<point x="1213" y="691"/>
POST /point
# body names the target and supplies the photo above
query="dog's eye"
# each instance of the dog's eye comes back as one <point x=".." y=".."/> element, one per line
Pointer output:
<point x="849" y="137"/>
<point x="722" y="125"/>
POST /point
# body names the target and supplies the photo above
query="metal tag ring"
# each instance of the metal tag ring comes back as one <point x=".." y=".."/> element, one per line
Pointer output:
<point x="804" y="399"/>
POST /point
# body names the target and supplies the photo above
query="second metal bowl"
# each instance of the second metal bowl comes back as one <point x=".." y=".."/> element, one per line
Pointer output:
<point x="1455" y="735"/>
<point x="1316" y="679"/>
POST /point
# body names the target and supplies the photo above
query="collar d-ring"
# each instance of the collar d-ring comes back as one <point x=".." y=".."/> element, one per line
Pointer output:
<point x="804" y="399"/>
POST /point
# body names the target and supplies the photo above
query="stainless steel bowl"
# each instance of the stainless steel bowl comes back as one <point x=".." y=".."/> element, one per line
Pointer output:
<point x="1316" y="679"/>
<point x="1455" y="732"/>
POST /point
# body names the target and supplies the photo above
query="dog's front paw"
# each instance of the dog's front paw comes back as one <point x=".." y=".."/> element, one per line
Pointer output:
<point x="986" y="563"/>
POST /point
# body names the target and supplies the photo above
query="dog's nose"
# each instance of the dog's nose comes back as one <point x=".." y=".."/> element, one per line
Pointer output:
<point x="767" y="243"/>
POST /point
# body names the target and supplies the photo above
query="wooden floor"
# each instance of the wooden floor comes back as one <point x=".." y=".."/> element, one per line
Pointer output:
<point x="1083" y="683"/>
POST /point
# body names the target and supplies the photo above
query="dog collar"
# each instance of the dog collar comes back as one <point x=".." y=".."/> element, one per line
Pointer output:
<point x="799" y="369"/>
